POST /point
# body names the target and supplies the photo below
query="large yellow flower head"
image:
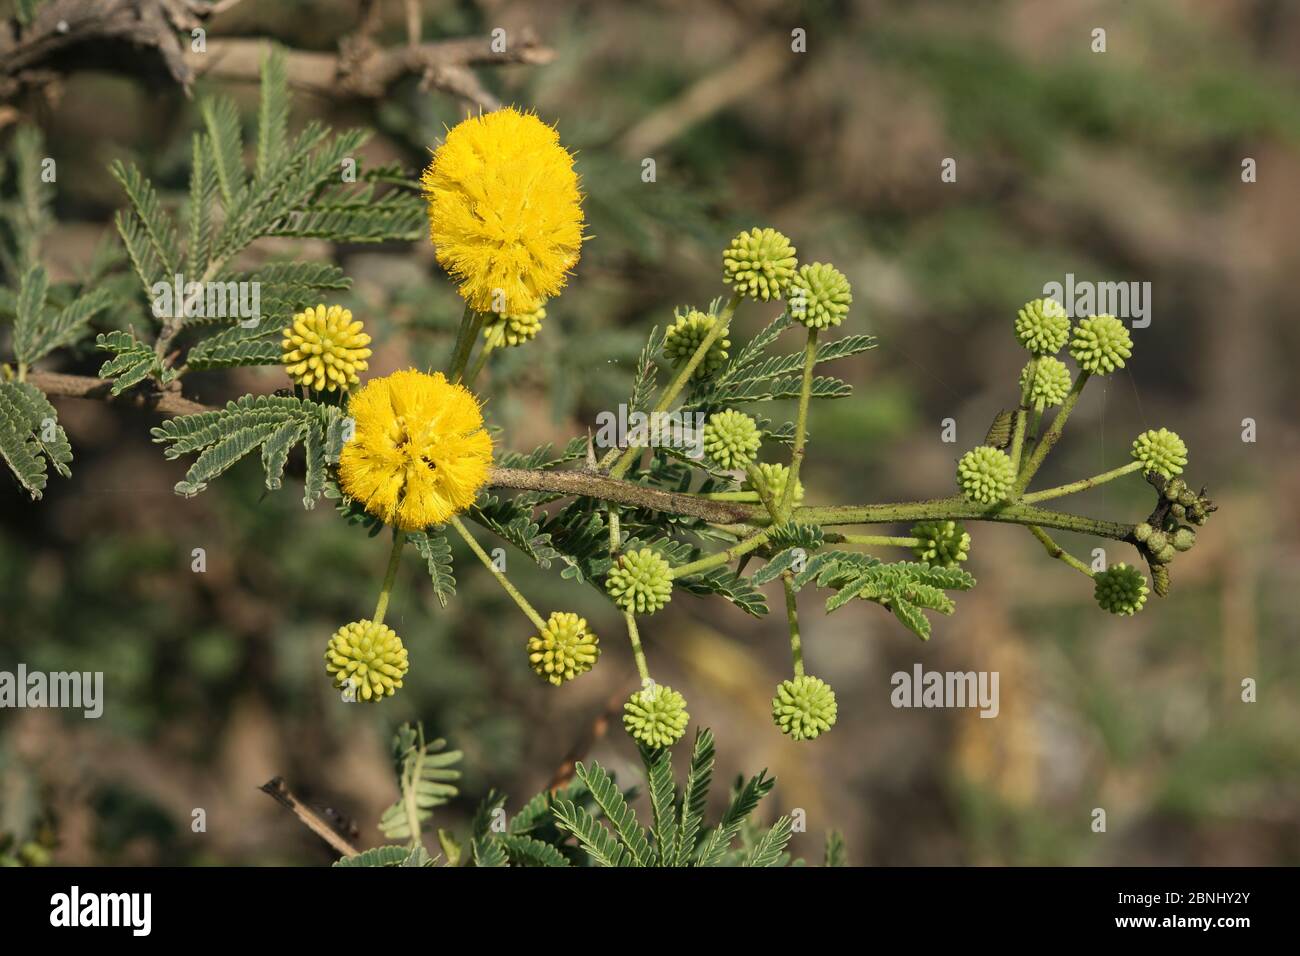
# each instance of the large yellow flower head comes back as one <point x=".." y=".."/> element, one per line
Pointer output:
<point x="419" y="453"/>
<point x="505" y="213"/>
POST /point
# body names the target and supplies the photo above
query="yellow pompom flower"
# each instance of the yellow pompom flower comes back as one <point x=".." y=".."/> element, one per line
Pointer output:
<point x="324" y="349"/>
<point x="505" y="213"/>
<point x="419" y="453"/>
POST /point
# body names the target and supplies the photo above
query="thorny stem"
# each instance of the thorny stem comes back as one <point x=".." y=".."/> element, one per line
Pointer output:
<point x="800" y="425"/>
<point x="1083" y="484"/>
<point x="1058" y="552"/>
<point x="394" y="558"/>
<point x="1050" y="436"/>
<point x="504" y="581"/>
<point x="674" y="388"/>
<point x="638" y="654"/>
<point x="792" y="619"/>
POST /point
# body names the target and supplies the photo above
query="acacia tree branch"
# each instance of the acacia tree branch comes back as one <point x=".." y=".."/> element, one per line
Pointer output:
<point x="85" y="386"/>
<point x="69" y="35"/>
<point x="278" y="790"/>
<point x="593" y="484"/>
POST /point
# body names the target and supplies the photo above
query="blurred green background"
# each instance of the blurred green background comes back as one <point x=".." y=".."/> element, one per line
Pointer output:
<point x="1123" y="165"/>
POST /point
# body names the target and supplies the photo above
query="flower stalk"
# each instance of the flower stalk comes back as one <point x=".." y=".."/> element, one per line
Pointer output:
<point x="504" y="581"/>
<point x="800" y="425"/>
<point x="1051" y="436"/>
<point x="1083" y="484"/>
<point x="390" y="576"/>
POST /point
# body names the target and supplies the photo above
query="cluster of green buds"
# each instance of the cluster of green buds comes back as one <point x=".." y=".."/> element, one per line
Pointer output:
<point x="759" y="264"/>
<point x="1169" y="530"/>
<point x="997" y="473"/>
<point x="508" y="331"/>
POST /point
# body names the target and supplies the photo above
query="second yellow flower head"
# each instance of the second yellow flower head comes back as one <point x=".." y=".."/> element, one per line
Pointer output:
<point x="505" y="213"/>
<point x="419" y="453"/>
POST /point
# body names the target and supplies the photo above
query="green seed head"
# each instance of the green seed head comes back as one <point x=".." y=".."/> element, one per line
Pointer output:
<point x="1120" y="589"/>
<point x="759" y="264"/>
<point x="942" y="543"/>
<point x="1042" y="326"/>
<point x="564" y="650"/>
<point x="687" y="334"/>
<point x="804" y="707"/>
<point x="656" y="716"/>
<point x="1100" y="344"/>
<point x="1047" y="379"/>
<point x="1162" y="452"/>
<point x="641" y="581"/>
<point x="985" y="475"/>
<point x="731" y="439"/>
<point x="819" y="296"/>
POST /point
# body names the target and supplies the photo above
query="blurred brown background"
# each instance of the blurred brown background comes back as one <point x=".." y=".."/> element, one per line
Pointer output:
<point x="1123" y="165"/>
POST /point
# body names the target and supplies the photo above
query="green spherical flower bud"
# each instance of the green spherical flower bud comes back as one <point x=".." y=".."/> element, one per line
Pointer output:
<point x="1042" y="326"/>
<point x="1175" y="489"/>
<point x="985" y="475"/>
<point x="1049" y="382"/>
<point x="368" y="658"/>
<point x="1120" y="589"/>
<point x="1142" y="531"/>
<point x="731" y="439"/>
<point x="759" y="264"/>
<point x="819" y="296"/>
<point x="804" y="708"/>
<point x="1160" y="451"/>
<point x="687" y="334"/>
<point x="942" y="543"/>
<point x="1178" y="511"/>
<point x="564" y="650"/>
<point x="1183" y="539"/>
<point x="1100" y="344"/>
<point x="1165" y="555"/>
<point x="775" y="476"/>
<point x="641" y="581"/>
<point x="656" y="716"/>
<point x="1156" y="541"/>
